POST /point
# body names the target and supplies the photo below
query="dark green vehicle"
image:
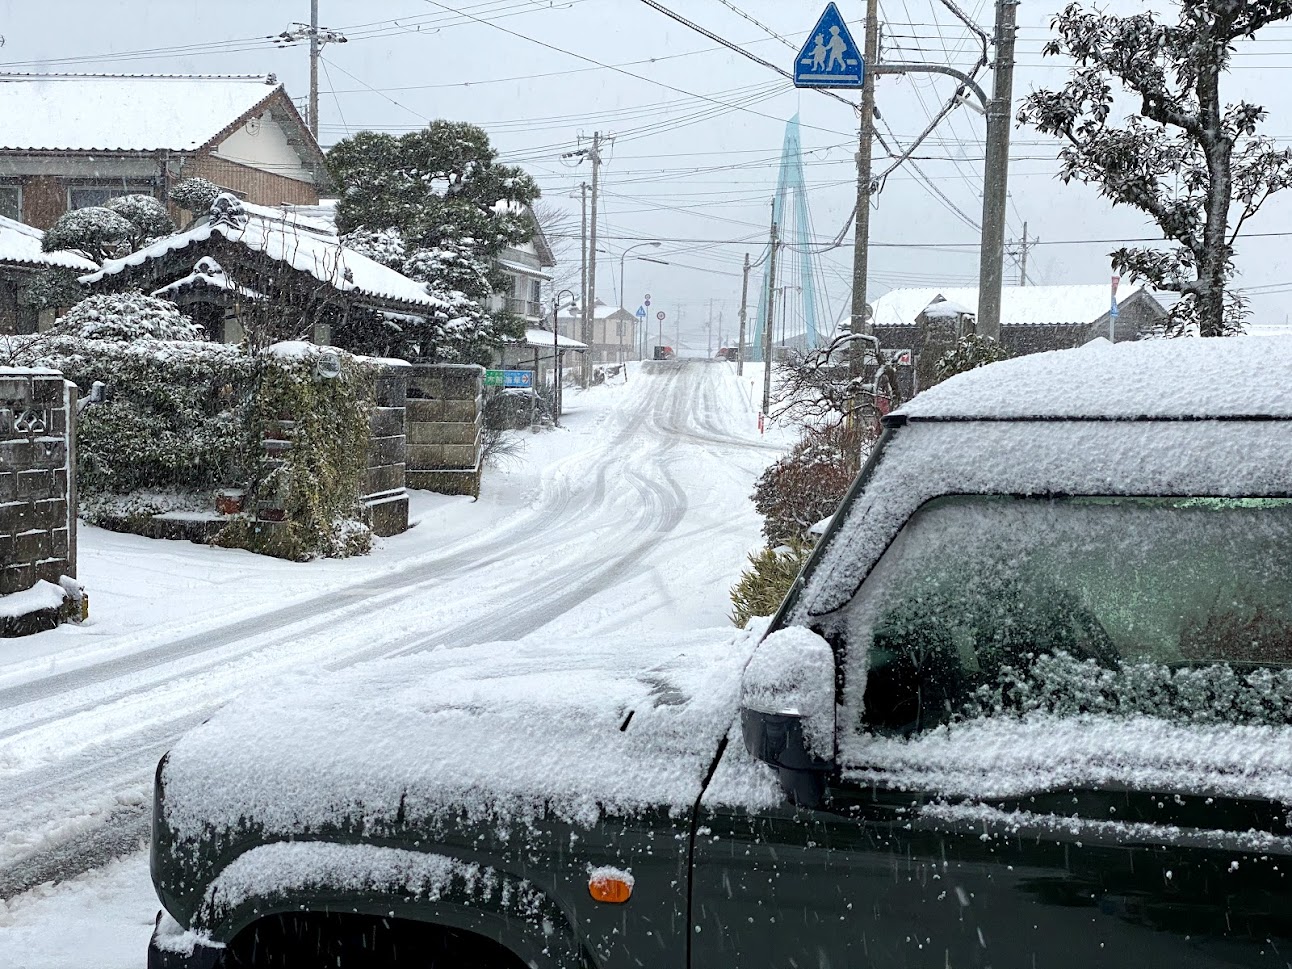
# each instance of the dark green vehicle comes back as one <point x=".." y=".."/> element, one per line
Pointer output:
<point x="1030" y="704"/>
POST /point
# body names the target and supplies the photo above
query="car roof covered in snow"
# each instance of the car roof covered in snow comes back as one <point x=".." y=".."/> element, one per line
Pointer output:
<point x="1143" y="380"/>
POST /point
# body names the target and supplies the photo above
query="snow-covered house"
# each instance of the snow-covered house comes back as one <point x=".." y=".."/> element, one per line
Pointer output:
<point x="72" y="140"/>
<point x="614" y="332"/>
<point x="523" y="266"/>
<point x="1032" y="318"/>
<point x="222" y="267"/>
<point x="21" y="261"/>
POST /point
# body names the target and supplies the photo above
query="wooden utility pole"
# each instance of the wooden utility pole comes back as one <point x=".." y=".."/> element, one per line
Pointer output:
<point x="744" y="300"/>
<point x="770" y="321"/>
<point x="995" y="192"/>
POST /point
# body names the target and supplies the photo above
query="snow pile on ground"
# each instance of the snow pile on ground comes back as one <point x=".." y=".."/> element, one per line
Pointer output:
<point x="505" y="731"/>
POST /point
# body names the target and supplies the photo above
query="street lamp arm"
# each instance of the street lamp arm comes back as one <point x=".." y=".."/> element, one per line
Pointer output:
<point x="913" y="68"/>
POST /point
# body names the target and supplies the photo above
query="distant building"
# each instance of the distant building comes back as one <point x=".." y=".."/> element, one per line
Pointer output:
<point x="614" y="333"/>
<point x="73" y="140"/>
<point x="1032" y="318"/>
<point x="523" y="264"/>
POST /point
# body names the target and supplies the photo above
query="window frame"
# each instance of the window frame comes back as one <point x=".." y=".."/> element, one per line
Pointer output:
<point x="117" y="188"/>
<point x="16" y="188"/>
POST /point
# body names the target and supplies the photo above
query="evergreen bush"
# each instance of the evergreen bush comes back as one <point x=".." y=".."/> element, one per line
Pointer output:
<point x="807" y="484"/>
<point x="764" y="585"/>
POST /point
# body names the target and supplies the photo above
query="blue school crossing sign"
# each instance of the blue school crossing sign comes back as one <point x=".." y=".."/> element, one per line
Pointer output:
<point x="641" y="313"/>
<point x="830" y="58"/>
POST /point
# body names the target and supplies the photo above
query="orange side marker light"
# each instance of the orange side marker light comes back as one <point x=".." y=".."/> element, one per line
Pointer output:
<point x="612" y="889"/>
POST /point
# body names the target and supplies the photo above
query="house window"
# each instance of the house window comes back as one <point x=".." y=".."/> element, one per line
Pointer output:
<point x="11" y="201"/>
<point x="96" y="193"/>
<point x="525" y="297"/>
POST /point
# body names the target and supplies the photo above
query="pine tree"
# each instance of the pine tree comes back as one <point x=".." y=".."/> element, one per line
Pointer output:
<point x="437" y="205"/>
<point x="1191" y="162"/>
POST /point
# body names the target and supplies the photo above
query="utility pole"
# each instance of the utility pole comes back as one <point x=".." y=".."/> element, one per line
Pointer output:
<point x="708" y="327"/>
<point x="861" y="237"/>
<point x="314" y="69"/>
<point x="1024" y="248"/>
<point x="318" y="38"/>
<point x="996" y="184"/>
<point x="590" y="313"/>
<point x="770" y="322"/>
<point x="583" y="263"/>
<point x="744" y="300"/>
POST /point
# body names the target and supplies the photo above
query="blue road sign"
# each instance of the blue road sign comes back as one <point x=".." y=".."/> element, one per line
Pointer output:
<point x="830" y="58"/>
<point x="641" y="313"/>
<point x="518" y="378"/>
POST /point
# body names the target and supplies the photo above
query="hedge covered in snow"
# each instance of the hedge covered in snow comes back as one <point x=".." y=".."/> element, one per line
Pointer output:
<point x="182" y="418"/>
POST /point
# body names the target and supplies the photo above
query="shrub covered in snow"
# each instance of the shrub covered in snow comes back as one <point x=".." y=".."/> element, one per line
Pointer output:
<point x="173" y="415"/>
<point x="148" y="218"/>
<point x="97" y="232"/>
<point x="970" y="352"/>
<point x="51" y="288"/>
<point x="194" y="194"/>
<point x="316" y="481"/>
<point x="764" y="584"/>
<point x="807" y="484"/>
<point x="385" y="246"/>
<point x="127" y="316"/>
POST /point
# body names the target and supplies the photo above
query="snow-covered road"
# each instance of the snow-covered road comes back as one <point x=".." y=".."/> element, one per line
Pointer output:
<point x="634" y="518"/>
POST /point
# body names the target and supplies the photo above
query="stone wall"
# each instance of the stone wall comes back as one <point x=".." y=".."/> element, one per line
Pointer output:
<point x="385" y="500"/>
<point x="37" y="501"/>
<point x="444" y="422"/>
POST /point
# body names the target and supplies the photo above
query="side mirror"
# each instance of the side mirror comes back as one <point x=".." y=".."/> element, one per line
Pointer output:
<point x="787" y="711"/>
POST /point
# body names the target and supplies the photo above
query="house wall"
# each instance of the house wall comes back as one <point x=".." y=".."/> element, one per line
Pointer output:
<point x="444" y="411"/>
<point x="37" y="495"/>
<point x="267" y="149"/>
<point x="256" y="186"/>
<point x="44" y="199"/>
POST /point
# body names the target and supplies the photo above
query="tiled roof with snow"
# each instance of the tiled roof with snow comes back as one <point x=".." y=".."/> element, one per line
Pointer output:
<point x="121" y="112"/>
<point x="304" y="244"/>
<point x="1162" y="379"/>
<point x="21" y="243"/>
<point x="1020" y="305"/>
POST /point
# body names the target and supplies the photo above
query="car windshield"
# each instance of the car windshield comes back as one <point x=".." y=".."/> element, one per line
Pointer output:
<point x="1172" y="607"/>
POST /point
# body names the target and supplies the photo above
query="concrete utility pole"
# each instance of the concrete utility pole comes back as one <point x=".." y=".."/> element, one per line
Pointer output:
<point x="861" y="237"/>
<point x="314" y="69"/>
<point x="318" y="37"/>
<point x="1024" y="248"/>
<point x="995" y="191"/>
<point x="589" y="313"/>
<point x="744" y="301"/>
<point x="709" y="330"/>
<point x="583" y="260"/>
<point x="770" y="322"/>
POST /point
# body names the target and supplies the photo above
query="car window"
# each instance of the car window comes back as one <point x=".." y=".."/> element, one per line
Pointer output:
<point x="1178" y="609"/>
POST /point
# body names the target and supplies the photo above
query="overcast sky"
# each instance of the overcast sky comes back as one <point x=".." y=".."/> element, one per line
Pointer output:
<point x="698" y="129"/>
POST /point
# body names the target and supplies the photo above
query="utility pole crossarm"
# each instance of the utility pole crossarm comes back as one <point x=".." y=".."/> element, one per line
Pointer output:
<point x="896" y="67"/>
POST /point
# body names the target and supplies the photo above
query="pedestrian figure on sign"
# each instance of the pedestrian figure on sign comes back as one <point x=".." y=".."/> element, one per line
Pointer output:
<point x="836" y="48"/>
<point x="819" y="53"/>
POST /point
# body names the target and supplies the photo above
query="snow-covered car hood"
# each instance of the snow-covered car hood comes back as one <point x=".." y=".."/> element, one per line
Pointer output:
<point x="503" y="732"/>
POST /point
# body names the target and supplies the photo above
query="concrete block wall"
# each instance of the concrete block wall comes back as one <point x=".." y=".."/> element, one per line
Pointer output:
<point x="37" y="495"/>
<point x="444" y="419"/>
<point x="384" y="499"/>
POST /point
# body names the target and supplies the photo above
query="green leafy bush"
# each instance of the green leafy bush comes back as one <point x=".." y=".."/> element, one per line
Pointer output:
<point x="766" y="582"/>
<point x="125" y="317"/>
<point x="195" y="194"/>
<point x="971" y="352"/>
<point x="317" y="480"/>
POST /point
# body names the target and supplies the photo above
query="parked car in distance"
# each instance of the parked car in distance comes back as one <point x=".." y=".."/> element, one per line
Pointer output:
<point x="1028" y="704"/>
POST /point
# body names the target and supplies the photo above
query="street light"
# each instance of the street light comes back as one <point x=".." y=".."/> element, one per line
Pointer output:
<point x="556" y="353"/>
<point x="622" y="294"/>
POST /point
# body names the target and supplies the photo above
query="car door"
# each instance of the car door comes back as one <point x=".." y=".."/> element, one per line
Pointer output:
<point x="1016" y="784"/>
